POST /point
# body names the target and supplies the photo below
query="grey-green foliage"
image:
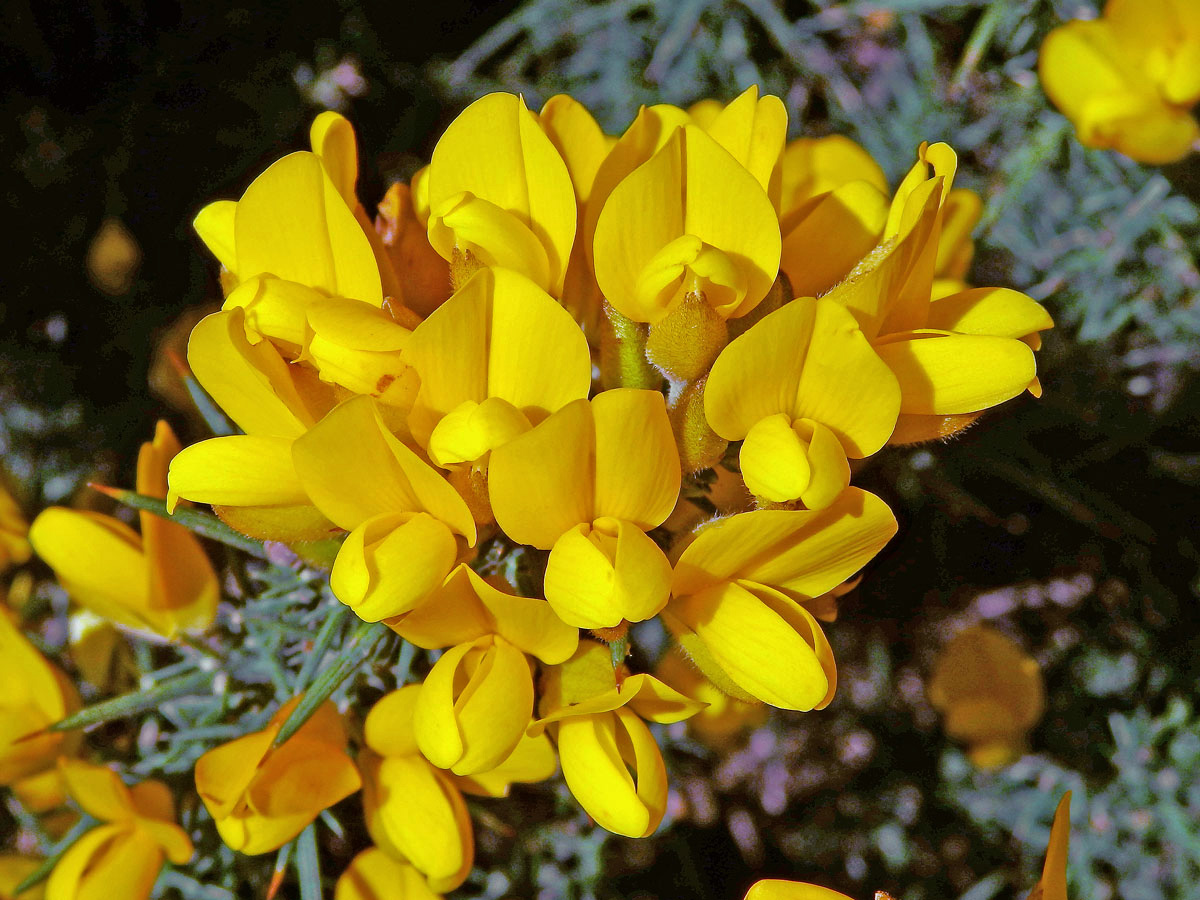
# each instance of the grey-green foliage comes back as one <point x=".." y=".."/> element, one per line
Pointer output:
<point x="1135" y="836"/>
<point x="1103" y="239"/>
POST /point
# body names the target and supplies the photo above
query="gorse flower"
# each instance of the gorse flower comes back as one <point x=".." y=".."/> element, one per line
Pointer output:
<point x="1129" y="80"/>
<point x="501" y="412"/>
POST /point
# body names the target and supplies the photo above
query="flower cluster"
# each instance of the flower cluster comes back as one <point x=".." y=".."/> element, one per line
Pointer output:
<point x="562" y="381"/>
<point x="1129" y="80"/>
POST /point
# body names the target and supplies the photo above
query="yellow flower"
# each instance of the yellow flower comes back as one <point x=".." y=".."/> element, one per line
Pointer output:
<point x="833" y="211"/>
<point x="15" y="869"/>
<point x="408" y="526"/>
<point x="724" y="718"/>
<point x="414" y="811"/>
<point x="373" y="875"/>
<point x="510" y="205"/>
<point x="739" y="592"/>
<point x="36" y="694"/>
<point x="804" y="390"/>
<point x="1128" y="81"/>
<point x="477" y="699"/>
<point x="778" y="889"/>
<point x="990" y="692"/>
<point x="953" y="357"/>
<point x="587" y="484"/>
<point x="123" y="856"/>
<point x="249" y="478"/>
<point x="14" y="541"/>
<point x="261" y="798"/>
<point x="691" y="220"/>
<point x="290" y="241"/>
<point x="495" y="359"/>
<point x="597" y="724"/>
<point x="960" y="215"/>
<point x="159" y="581"/>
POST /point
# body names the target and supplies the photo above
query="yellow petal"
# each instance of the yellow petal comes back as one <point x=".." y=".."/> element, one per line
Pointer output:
<point x="464" y="225"/>
<point x="274" y="308"/>
<point x="783" y="461"/>
<point x="471" y="429"/>
<point x="521" y="173"/>
<point x="98" y="790"/>
<point x="804" y="553"/>
<point x="760" y="650"/>
<point x="541" y="484"/>
<point x="692" y="186"/>
<point x="578" y="138"/>
<point x="354" y="468"/>
<point x="359" y="347"/>
<point x="417" y="809"/>
<point x="754" y="131"/>
<point x="390" y="563"/>
<point x="815" y="166"/>
<point x="474" y="726"/>
<point x="373" y="875"/>
<point x="991" y="311"/>
<point x="825" y="239"/>
<point x="98" y="560"/>
<point x="775" y="889"/>
<point x="601" y="575"/>
<point x="596" y="754"/>
<point x="301" y="778"/>
<point x="532" y="761"/>
<point x="649" y="131"/>
<point x="388" y="729"/>
<point x="499" y="336"/>
<point x="809" y="360"/>
<point x="636" y="464"/>
<point x="237" y="470"/>
<point x="214" y="224"/>
<point x="332" y="139"/>
<point x="224" y="773"/>
<point x="250" y="382"/>
<point x="946" y="374"/>
<point x="293" y="223"/>
<point x="108" y="861"/>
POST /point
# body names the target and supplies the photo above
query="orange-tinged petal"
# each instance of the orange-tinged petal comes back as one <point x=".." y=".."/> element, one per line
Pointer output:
<point x="389" y="564"/>
<point x="1054" y="871"/>
<point x="946" y="374"/>
<point x="225" y="773"/>
<point x="237" y="470"/>
<point x="293" y="223"/>
<point x="355" y="469"/>
<point x="521" y="173"/>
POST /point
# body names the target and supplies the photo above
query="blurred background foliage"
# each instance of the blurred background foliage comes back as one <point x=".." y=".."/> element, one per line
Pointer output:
<point x="1069" y="523"/>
